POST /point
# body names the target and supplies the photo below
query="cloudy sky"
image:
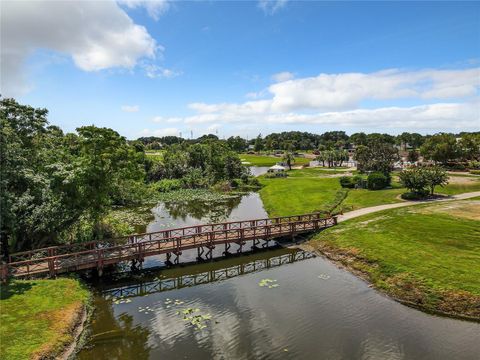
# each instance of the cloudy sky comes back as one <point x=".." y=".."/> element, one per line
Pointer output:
<point x="146" y="67"/>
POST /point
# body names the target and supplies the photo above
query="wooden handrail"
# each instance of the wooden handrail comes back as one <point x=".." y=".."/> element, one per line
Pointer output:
<point x="60" y="248"/>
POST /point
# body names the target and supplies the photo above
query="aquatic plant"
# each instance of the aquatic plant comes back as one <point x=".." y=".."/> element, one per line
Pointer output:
<point x="187" y="195"/>
<point x="268" y="283"/>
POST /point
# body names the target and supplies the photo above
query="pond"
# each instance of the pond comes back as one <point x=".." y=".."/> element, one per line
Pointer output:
<point x="258" y="170"/>
<point x="306" y="308"/>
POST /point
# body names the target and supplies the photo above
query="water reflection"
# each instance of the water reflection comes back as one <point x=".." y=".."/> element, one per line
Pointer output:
<point x="172" y="215"/>
<point x="318" y="311"/>
<point x="201" y="274"/>
<point x="208" y="212"/>
<point x="115" y="336"/>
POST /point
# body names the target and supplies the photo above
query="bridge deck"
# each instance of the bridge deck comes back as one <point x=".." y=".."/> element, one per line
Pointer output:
<point x="98" y="254"/>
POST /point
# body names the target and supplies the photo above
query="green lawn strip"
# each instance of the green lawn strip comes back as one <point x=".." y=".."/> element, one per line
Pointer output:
<point x="316" y="172"/>
<point x="307" y="190"/>
<point x="454" y="189"/>
<point x="297" y="195"/>
<point x="265" y="160"/>
<point x="435" y="255"/>
<point x="36" y="316"/>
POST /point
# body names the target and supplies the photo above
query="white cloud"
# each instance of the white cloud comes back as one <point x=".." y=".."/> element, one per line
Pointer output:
<point x="154" y="71"/>
<point x="456" y="116"/>
<point x="450" y="101"/>
<point x="282" y="76"/>
<point x="270" y="7"/>
<point x="96" y="34"/>
<point x="155" y="8"/>
<point x="160" y="132"/>
<point x="348" y="90"/>
<point x="130" y="108"/>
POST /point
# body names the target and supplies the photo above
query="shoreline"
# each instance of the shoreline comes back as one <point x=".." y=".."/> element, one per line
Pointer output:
<point x="77" y="331"/>
<point x="346" y="261"/>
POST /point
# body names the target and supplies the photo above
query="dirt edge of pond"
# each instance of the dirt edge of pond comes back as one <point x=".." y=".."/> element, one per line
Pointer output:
<point x="458" y="305"/>
<point x="76" y="332"/>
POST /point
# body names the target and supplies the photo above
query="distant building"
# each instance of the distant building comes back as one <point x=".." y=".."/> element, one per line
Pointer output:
<point x="277" y="169"/>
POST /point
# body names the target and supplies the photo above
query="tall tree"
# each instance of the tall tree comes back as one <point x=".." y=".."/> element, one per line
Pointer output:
<point x="441" y="148"/>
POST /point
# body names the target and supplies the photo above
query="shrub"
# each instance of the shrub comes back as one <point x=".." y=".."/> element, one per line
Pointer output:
<point x="475" y="172"/>
<point x="359" y="182"/>
<point x="415" y="195"/>
<point x="377" y="181"/>
<point x="234" y="183"/>
<point x="166" y="185"/>
<point x="474" y="165"/>
<point x="245" y="178"/>
<point x="347" y="182"/>
<point x="254" y="181"/>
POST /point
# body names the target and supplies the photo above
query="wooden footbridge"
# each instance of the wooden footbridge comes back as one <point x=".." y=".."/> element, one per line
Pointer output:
<point x="102" y="253"/>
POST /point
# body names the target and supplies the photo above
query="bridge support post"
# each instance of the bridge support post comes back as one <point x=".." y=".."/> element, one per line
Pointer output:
<point x="168" y="262"/>
<point x="200" y="253"/>
<point x="4" y="273"/>
<point x="254" y="245"/>
<point x="227" y="247"/>
<point x="209" y="253"/>
<point x="177" y="257"/>
<point x="240" y="246"/>
<point x="51" y="262"/>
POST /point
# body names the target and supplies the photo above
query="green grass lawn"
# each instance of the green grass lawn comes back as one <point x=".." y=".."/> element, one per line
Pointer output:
<point x="37" y="315"/>
<point x="453" y="188"/>
<point x="435" y="247"/>
<point x="298" y="195"/>
<point x="310" y="189"/>
<point x="265" y="160"/>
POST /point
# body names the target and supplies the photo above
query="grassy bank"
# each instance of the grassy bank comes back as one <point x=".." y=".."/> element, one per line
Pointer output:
<point x="426" y="255"/>
<point x="312" y="189"/>
<point x="298" y="195"/>
<point x="38" y="317"/>
<point x="265" y="160"/>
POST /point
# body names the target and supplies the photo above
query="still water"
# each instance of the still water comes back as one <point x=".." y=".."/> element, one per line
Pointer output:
<point x="309" y="308"/>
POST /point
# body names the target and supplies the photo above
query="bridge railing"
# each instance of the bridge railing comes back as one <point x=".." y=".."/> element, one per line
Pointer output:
<point x="99" y="257"/>
<point x="158" y="235"/>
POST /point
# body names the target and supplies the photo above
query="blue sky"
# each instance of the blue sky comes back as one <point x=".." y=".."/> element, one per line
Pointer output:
<point x="243" y="68"/>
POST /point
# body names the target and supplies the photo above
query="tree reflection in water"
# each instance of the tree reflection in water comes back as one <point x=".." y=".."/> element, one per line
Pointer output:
<point x="115" y="337"/>
<point x="211" y="212"/>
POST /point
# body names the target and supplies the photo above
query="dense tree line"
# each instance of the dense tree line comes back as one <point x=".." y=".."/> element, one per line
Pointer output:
<point x="199" y="164"/>
<point x="56" y="187"/>
<point x="442" y="147"/>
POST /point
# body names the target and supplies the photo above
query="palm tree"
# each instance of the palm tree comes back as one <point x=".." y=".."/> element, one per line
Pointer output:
<point x="289" y="159"/>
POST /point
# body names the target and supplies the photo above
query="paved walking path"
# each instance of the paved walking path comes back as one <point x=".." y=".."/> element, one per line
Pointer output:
<point x="356" y="213"/>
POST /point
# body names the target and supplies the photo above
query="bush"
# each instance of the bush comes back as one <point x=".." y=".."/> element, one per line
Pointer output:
<point x="234" y="183"/>
<point x="414" y="195"/>
<point x="475" y="172"/>
<point x="377" y="181"/>
<point x="166" y="185"/>
<point x="474" y="165"/>
<point x="360" y="182"/>
<point x="347" y="182"/>
<point x="254" y="182"/>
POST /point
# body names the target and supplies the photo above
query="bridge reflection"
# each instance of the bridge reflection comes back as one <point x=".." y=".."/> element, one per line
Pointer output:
<point x="164" y="282"/>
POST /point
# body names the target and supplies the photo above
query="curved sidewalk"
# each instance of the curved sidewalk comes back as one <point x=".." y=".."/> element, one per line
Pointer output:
<point x="356" y="213"/>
